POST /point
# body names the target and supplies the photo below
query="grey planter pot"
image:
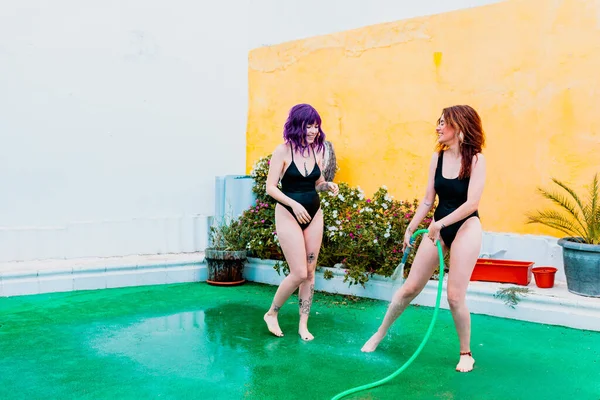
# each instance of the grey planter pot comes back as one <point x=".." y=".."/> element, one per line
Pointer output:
<point x="225" y="268"/>
<point x="582" y="267"/>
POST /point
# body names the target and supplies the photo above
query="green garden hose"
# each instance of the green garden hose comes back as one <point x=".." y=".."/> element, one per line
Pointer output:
<point x="435" y="313"/>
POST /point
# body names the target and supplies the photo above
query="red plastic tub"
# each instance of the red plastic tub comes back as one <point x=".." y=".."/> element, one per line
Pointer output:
<point x="503" y="271"/>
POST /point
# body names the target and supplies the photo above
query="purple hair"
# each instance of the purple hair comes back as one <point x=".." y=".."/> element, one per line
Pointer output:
<point x="294" y="130"/>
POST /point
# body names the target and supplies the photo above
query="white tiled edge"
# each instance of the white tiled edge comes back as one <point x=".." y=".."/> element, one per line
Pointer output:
<point x="35" y="277"/>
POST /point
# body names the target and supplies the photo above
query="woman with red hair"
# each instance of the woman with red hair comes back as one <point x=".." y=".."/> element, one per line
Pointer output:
<point x="456" y="175"/>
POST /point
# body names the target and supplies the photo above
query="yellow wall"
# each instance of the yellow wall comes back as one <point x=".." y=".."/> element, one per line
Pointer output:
<point x="531" y="68"/>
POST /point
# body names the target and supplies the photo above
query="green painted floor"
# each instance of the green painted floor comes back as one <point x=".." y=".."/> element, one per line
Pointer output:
<point x="195" y="341"/>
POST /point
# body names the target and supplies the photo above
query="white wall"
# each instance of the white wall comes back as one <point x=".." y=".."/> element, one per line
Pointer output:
<point x="114" y="109"/>
<point x="116" y="116"/>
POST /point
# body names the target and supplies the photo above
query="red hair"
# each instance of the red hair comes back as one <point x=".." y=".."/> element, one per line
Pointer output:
<point x="466" y="121"/>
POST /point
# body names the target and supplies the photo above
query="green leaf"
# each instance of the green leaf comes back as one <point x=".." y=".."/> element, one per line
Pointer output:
<point x="580" y="218"/>
<point x="558" y="221"/>
<point x="565" y="204"/>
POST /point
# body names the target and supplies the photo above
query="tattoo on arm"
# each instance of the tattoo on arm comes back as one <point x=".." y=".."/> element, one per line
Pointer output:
<point x="322" y="187"/>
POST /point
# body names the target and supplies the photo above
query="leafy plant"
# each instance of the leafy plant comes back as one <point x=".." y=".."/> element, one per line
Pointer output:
<point x="578" y="217"/>
<point x="226" y="236"/>
<point x="363" y="234"/>
<point x="258" y="231"/>
<point x="259" y="172"/>
<point x="511" y="295"/>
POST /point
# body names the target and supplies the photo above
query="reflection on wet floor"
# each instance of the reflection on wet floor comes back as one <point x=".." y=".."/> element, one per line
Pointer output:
<point x="203" y="342"/>
<point x="193" y="345"/>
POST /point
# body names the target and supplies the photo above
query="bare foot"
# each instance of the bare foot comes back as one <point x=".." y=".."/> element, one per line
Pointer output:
<point x="273" y="324"/>
<point x="305" y="334"/>
<point x="372" y="343"/>
<point x="465" y="364"/>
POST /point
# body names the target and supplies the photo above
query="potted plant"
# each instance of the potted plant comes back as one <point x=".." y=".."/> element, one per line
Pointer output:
<point x="226" y="254"/>
<point x="579" y="218"/>
<point x="544" y="276"/>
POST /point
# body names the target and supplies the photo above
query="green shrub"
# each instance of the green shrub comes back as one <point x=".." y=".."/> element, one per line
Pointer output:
<point x="363" y="235"/>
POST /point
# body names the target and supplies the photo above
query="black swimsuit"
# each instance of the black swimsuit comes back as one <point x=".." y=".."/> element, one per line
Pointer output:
<point x="452" y="193"/>
<point x="302" y="189"/>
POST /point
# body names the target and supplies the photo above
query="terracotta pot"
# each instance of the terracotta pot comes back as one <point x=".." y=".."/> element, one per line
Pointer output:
<point x="544" y="276"/>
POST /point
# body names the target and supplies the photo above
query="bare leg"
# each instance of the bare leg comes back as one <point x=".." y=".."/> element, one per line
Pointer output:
<point x="313" y="235"/>
<point x="291" y="240"/>
<point x="463" y="256"/>
<point x="305" y="302"/>
<point x="422" y="268"/>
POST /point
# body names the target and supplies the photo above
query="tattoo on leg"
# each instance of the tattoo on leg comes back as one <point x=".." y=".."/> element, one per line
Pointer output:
<point x="311" y="258"/>
<point x="276" y="308"/>
<point x="306" y="304"/>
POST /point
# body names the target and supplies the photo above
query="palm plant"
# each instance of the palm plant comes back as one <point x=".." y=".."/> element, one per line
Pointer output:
<point x="577" y="217"/>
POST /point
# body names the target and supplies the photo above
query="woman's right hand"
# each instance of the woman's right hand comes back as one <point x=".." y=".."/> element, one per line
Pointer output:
<point x="300" y="212"/>
<point x="406" y="243"/>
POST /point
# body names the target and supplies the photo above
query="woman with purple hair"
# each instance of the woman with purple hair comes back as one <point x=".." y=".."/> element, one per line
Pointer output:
<point x="298" y="164"/>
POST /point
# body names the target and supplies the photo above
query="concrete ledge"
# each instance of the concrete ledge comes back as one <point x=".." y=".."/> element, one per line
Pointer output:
<point x="542" y="250"/>
<point x="35" y="277"/>
<point x="556" y="306"/>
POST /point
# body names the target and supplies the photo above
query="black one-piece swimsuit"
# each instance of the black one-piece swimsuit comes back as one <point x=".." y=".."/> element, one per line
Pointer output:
<point x="302" y="189"/>
<point x="452" y="193"/>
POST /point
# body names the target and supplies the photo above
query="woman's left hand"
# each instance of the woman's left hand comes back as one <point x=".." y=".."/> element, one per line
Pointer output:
<point x="434" y="231"/>
<point x="333" y="188"/>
